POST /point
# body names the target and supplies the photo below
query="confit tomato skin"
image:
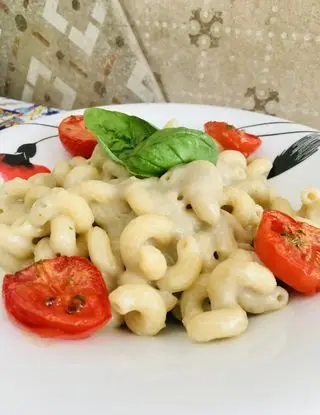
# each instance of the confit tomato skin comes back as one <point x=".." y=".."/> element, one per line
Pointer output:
<point x="64" y="297"/>
<point x="231" y="138"/>
<point x="75" y="137"/>
<point x="291" y="250"/>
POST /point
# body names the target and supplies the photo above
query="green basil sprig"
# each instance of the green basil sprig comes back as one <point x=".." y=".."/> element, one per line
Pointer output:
<point x="118" y="133"/>
<point x="168" y="148"/>
<point x="144" y="150"/>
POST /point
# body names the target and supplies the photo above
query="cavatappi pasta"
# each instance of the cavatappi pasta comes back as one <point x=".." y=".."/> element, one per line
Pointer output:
<point x="179" y="243"/>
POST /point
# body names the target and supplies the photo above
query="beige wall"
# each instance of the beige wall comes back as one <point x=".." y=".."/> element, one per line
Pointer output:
<point x="256" y="54"/>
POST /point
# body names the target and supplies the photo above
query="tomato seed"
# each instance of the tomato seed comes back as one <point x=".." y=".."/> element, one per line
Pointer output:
<point x="76" y="304"/>
<point x="50" y="301"/>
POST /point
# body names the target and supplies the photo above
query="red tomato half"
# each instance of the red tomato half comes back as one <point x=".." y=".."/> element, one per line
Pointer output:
<point x="230" y="138"/>
<point x="62" y="297"/>
<point x="75" y="137"/>
<point x="291" y="250"/>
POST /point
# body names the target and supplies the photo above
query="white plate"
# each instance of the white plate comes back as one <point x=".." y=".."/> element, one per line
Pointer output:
<point x="272" y="369"/>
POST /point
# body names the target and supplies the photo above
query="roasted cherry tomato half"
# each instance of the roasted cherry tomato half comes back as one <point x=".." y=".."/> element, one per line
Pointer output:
<point x="231" y="138"/>
<point x="291" y="250"/>
<point x="62" y="297"/>
<point x="75" y="137"/>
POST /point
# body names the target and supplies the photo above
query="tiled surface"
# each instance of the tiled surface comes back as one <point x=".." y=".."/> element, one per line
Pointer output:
<point x="72" y="54"/>
<point x="253" y="54"/>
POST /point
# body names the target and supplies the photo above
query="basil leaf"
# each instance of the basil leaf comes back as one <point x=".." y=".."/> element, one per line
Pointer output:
<point x="169" y="147"/>
<point x="118" y="133"/>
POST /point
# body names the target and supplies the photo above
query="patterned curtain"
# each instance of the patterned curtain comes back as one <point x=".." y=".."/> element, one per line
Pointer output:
<point x="252" y="54"/>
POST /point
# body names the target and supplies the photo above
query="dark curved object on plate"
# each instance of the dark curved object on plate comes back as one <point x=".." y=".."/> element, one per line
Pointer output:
<point x="298" y="152"/>
<point x="19" y="164"/>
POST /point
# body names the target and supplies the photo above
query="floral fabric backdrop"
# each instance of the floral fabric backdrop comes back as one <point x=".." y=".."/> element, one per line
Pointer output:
<point x="253" y="54"/>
